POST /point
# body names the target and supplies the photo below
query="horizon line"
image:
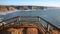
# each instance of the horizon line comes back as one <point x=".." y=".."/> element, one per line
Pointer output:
<point x="30" y="5"/>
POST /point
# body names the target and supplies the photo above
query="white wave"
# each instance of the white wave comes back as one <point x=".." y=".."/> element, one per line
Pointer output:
<point x="4" y="13"/>
<point x="7" y="12"/>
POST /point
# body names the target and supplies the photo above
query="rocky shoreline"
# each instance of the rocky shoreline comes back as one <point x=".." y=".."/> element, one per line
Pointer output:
<point x="10" y="9"/>
<point x="6" y="12"/>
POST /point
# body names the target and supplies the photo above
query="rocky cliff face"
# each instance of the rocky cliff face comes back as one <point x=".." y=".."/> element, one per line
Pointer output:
<point x="13" y="8"/>
<point x="3" y="9"/>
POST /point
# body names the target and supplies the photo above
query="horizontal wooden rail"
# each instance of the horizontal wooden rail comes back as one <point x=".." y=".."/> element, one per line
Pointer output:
<point x="50" y="24"/>
<point x="20" y="17"/>
<point x="32" y="17"/>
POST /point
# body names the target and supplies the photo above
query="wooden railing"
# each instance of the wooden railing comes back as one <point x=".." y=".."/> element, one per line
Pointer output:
<point x="49" y="25"/>
<point x="14" y="19"/>
<point x="47" y="30"/>
<point x="21" y="17"/>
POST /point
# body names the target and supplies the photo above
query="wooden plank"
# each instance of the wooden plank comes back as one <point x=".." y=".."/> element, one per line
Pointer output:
<point x="32" y="31"/>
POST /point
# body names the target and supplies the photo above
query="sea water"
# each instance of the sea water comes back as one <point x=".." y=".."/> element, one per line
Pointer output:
<point x="51" y="15"/>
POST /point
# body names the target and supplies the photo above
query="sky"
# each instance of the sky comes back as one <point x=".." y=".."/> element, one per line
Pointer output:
<point x="53" y="3"/>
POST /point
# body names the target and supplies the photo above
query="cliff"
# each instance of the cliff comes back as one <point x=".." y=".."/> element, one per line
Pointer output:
<point x="3" y="9"/>
<point x="13" y="8"/>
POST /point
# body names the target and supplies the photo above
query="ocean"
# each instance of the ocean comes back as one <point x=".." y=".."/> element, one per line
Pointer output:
<point x="52" y="15"/>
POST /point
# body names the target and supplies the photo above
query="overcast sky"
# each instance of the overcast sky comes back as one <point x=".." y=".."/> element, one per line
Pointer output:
<point x="53" y="3"/>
